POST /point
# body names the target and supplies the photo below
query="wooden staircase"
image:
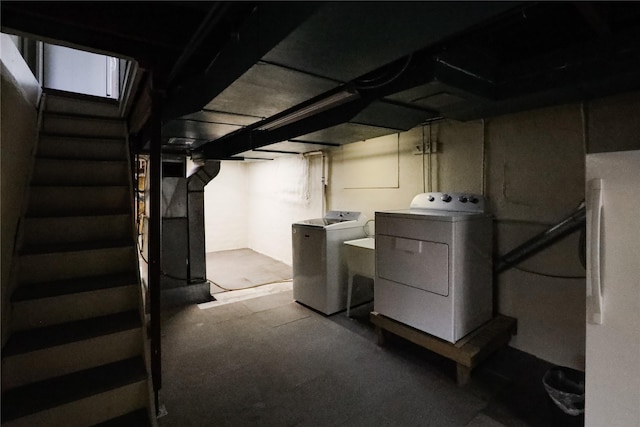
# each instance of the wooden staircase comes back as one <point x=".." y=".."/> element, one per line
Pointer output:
<point x="77" y="352"/>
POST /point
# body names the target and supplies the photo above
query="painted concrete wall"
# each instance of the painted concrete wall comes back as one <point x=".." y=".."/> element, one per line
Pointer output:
<point x="536" y="178"/>
<point x="411" y="177"/>
<point x="531" y="167"/>
<point x="281" y="192"/>
<point x="226" y="208"/>
<point x="252" y="205"/>
<point x="18" y="118"/>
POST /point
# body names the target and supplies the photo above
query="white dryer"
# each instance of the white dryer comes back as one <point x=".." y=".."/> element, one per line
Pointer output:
<point x="319" y="259"/>
<point x="434" y="264"/>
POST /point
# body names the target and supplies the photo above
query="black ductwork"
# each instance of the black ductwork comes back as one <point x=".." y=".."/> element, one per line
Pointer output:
<point x="478" y="73"/>
<point x="543" y="240"/>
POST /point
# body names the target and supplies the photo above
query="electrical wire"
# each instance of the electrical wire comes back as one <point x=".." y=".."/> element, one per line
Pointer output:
<point x="211" y="282"/>
<point x="554" y="276"/>
<point x="141" y="253"/>
<point x="367" y="85"/>
<point x="522" y="222"/>
<point x="252" y="286"/>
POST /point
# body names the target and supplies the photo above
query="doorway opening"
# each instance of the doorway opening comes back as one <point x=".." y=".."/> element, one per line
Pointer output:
<point x="249" y="210"/>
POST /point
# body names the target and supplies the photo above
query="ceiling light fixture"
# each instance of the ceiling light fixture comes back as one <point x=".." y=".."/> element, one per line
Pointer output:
<point x="312" y="109"/>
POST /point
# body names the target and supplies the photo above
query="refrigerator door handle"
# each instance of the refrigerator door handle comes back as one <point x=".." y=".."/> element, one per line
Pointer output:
<point x="594" y="284"/>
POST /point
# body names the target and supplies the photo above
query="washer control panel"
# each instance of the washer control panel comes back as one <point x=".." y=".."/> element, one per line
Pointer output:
<point x="460" y="202"/>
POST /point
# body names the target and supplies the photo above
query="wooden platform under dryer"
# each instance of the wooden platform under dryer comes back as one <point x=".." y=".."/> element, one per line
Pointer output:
<point x="467" y="353"/>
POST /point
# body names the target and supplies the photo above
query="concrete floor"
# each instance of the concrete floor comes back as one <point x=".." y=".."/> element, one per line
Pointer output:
<point x="242" y="269"/>
<point x="269" y="361"/>
<point x="255" y="357"/>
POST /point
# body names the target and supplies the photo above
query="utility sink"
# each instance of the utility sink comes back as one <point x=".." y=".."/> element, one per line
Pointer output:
<point x="360" y="262"/>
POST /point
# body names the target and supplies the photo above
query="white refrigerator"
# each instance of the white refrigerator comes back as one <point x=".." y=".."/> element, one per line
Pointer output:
<point x="613" y="290"/>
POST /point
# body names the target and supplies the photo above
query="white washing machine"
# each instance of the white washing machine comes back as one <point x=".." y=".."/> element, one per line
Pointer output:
<point x="319" y="260"/>
<point x="434" y="264"/>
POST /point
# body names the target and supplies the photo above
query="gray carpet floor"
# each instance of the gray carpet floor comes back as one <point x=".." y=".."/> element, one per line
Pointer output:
<point x="269" y="361"/>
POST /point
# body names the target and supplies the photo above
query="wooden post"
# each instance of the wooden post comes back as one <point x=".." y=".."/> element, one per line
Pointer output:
<point x="155" y="233"/>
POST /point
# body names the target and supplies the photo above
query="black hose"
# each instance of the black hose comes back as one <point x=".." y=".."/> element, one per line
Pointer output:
<point x="543" y="240"/>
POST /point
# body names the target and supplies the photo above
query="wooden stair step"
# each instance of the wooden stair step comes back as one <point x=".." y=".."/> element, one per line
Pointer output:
<point x="73" y="286"/>
<point x="77" y="186"/>
<point x="52" y="302"/>
<point x="50" y="336"/>
<point x="139" y="418"/>
<point x="71" y="264"/>
<point x="46" y="230"/>
<point x="78" y="200"/>
<point x="38" y="354"/>
<point x="82" y="125"/>
<point x="88" y="212"/>
<point x="79" y="148"/>
<point x="73" y="103"/>
<point x="49" y="171"/>
<point x="75" y="246"/>
<point x="43" y="395"/>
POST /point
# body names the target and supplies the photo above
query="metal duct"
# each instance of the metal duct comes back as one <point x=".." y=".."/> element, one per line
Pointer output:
<point x="195" y="215"/>
<point x="184" y="279"/>
<point x="543" y="240"/>
<point x="201" y="177"/>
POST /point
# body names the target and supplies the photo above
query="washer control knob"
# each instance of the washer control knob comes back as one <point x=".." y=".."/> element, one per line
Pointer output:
<point x="473" y="199"/>
<point x="446" y="198"/>
<point x="463" y="199"/>
<point x="431" y="198"/>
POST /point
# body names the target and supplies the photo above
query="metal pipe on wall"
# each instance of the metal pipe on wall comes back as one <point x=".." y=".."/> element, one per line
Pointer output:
<point x="483" y="171"/>
<point x="424" y="179"/>
<point x="325" y="173"/>
<point x="429" y="164"/>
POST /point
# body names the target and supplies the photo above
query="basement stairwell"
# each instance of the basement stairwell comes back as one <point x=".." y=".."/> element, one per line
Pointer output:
<point x="77" y="354"/>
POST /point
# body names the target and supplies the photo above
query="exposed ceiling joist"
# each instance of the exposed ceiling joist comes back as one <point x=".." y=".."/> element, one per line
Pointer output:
<point x="237" y="68"/>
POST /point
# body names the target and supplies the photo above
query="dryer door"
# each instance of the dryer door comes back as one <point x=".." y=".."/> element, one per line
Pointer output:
<point x="417" y="263"/>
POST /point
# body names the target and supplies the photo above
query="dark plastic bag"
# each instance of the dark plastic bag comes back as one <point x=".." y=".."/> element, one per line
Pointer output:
<point x="565" y="387"/>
